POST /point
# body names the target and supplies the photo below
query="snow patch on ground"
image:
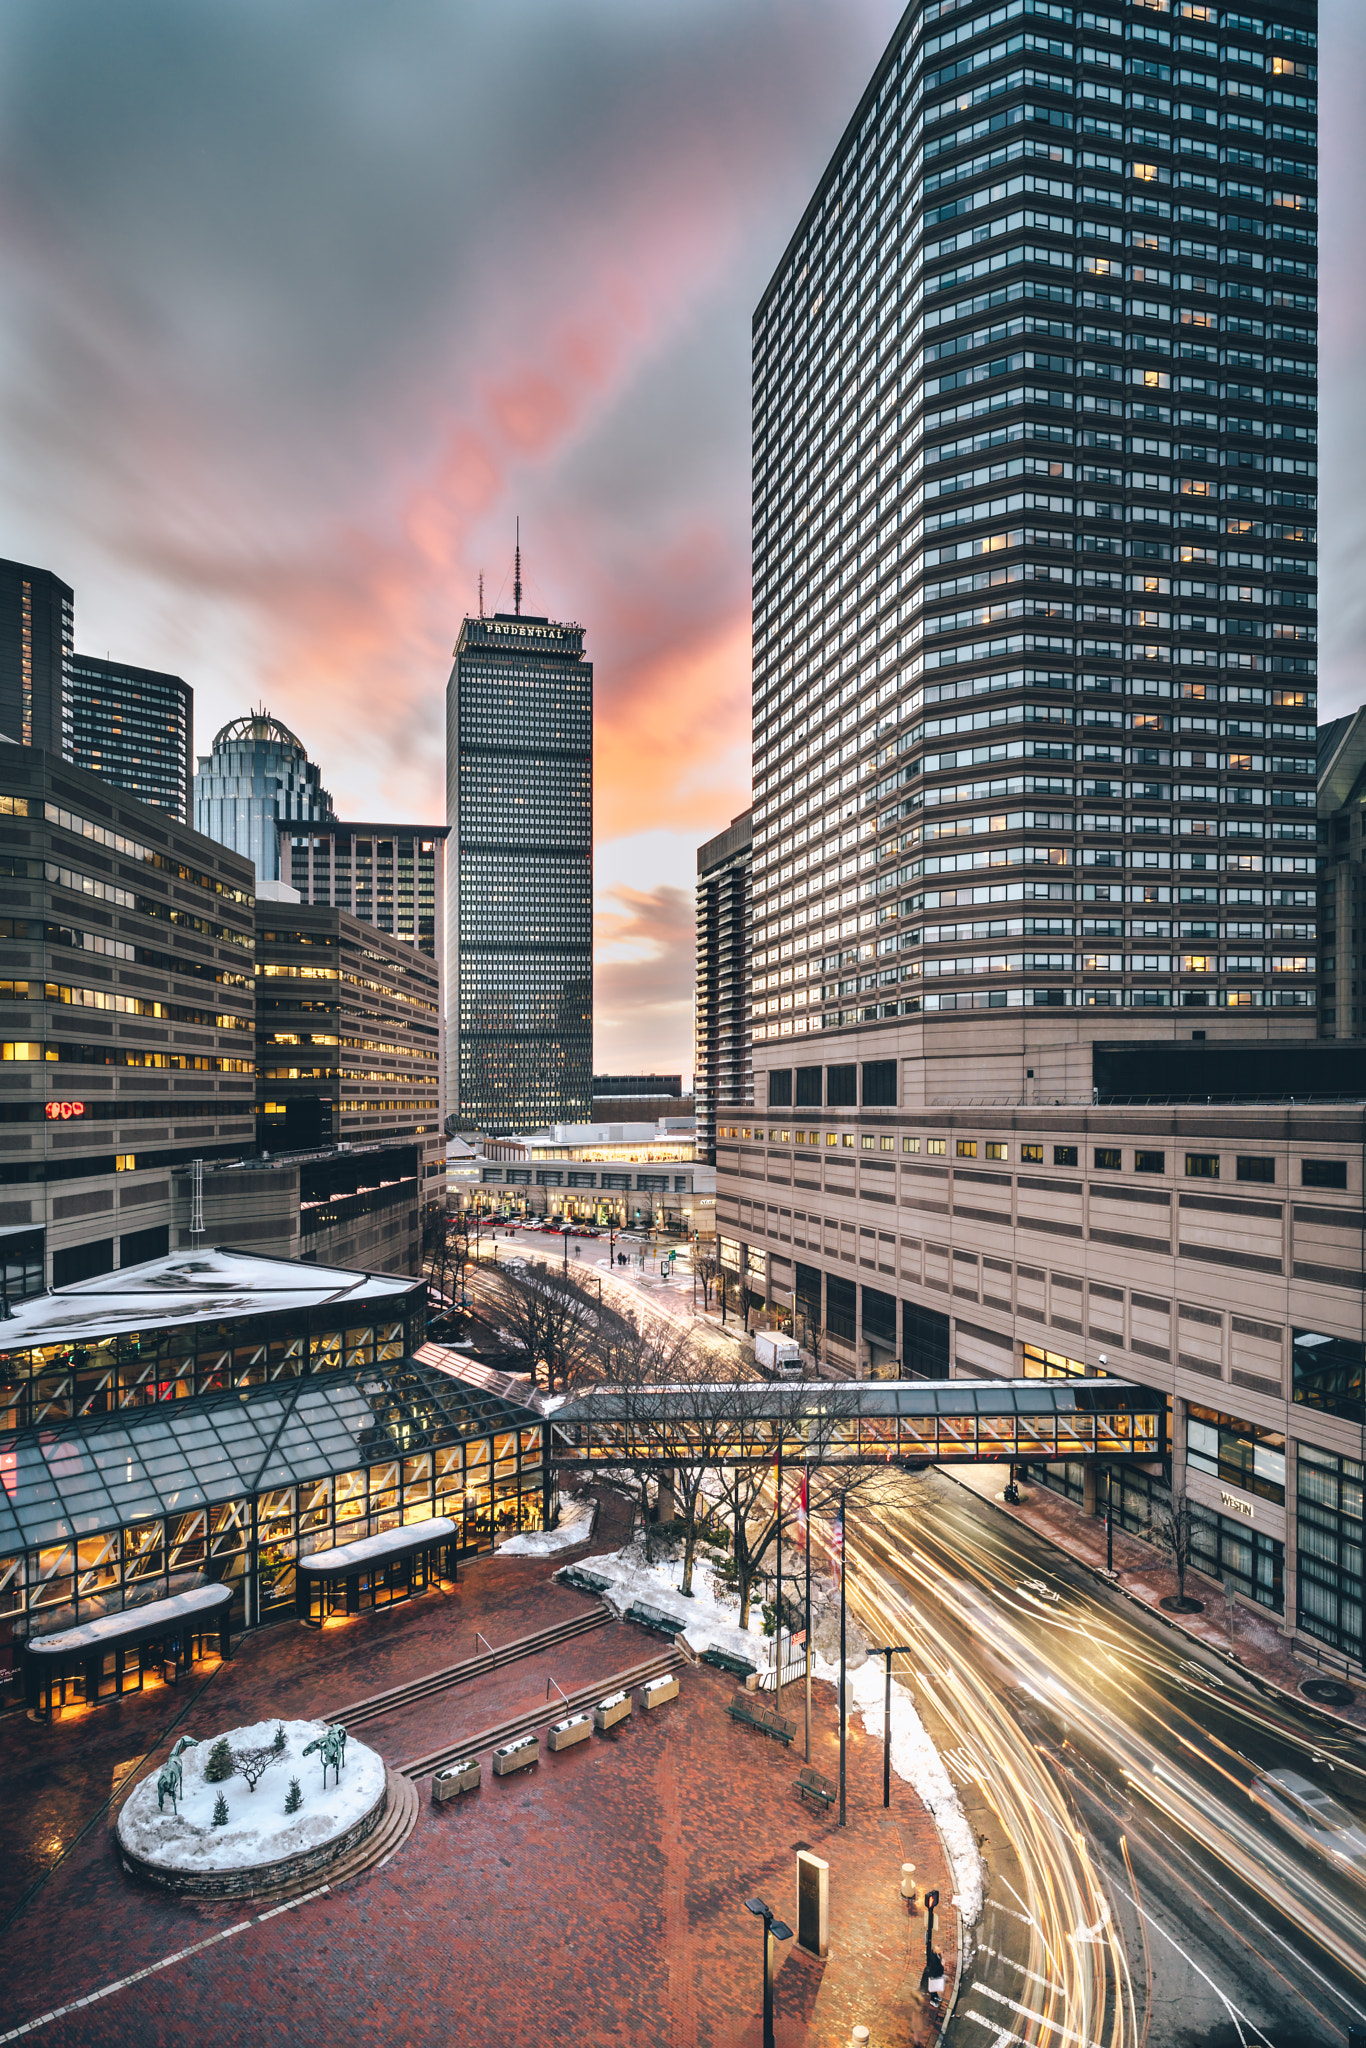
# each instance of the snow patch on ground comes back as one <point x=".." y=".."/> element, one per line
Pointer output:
<point x="916" y="1760"/>
<point x="575" y="1521"/>
<point x="709" y="1620"/>
<point x="258" y="1830"/>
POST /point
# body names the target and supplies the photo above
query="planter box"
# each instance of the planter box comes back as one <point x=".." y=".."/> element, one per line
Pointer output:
<point x="455" y="1779"/>
<point x="515" y="1756"/>
<point x="566" y="1733"/>
<point x="658" y="1691"/>
<point x="607" y="1713"/>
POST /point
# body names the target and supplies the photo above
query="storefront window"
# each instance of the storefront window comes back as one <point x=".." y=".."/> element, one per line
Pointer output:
<point x="1239" y="1453"/>
<point x="1328" y="1574"/>
<point x="1253" y="1564"/>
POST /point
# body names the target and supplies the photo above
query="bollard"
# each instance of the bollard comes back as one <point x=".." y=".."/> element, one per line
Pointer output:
<point x="908" y="1887"/>
<point x="859" y="2037"/>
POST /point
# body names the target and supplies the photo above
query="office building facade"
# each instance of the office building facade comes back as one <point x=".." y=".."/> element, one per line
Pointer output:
<point x="348" y="1033"/>
<point x="37" y="641"/>
<point x="722" y="1049"/>
<point x="1342" y="792"/>
<point x="1034" y="540"/>
<point x="127" y="970"/>
<point x="393" y="876"/>
<point x="135" y="727"/>
<point x="257" y="777"/>
<point x="519" y="923"/>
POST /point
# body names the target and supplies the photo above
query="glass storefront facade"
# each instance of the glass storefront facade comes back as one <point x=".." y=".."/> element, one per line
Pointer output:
<point x="236" y="1488"/>
<point x="1328" y="1565"/>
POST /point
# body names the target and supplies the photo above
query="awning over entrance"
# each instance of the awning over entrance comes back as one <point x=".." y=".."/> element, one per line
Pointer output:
<point x="112" y="1654"/>
<point x="375" y="1550"/>
<point x="863" y="1422"/>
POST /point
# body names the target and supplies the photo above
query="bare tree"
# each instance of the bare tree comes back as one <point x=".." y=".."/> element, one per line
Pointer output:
<point x="554" y="1318"/>
<point x="635" y="1350"/>
<point x="1172" y="1524"/>
<point x="706" y="1269"/>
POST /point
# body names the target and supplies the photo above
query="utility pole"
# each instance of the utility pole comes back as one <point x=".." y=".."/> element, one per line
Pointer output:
<point x="778" y="1611"/>
<point x="894" y="1650"/>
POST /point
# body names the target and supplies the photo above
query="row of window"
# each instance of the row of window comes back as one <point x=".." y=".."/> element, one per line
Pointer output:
<point x="1314" y="1173"/>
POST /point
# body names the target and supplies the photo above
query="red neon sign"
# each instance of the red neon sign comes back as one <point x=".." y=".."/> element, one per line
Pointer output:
<point x="55" y="1111"/>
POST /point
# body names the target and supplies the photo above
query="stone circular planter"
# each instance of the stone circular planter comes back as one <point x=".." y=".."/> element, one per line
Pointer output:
<point x="1174" y="1604"/>
<point x="262" y="1848"/>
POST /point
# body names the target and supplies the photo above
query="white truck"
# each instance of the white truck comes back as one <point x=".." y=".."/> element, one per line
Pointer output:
<point x="778" y="1356"/>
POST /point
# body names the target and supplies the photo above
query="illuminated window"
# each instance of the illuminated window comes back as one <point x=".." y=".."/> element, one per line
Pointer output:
<point x="1202" y="1166"/>
<point x="869" y="1144"/>
<point x="966" y="1148"/>
<point x="1108" y="1158"/>
<point x="998" y="1152"/>
<point x="937" y="1146"/>
<point x="125" y="1162"/>
<point x="910" y="1144"/>
<point x="1031" y="1155"/>
<point x="887" y="1144"/>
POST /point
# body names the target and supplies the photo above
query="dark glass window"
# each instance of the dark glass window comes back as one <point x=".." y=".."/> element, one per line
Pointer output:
<point x="808" y="1292"/>
<point x="879" y="1084"/>
<point x="879" y="1317"/>
<point x="1150" y="1162"/>
<point x="1239" y="1453"/>
<point x="809" y="1081"/>
<point x="841" y="1307"/>
<point x="925" y="1342"/>
<point x="1202" y="1166"/>
<point x="1323" y="1173"/>
<point x="1328" y="1374"/>
<point x="841" y="1087"/>
<point x="1328" y="1577"/>
<point x="1064" y="1155"/>
<point x="780" y="1088"/>
<point x="1109" y="1158"/>
<point x="1256" y="1169"/>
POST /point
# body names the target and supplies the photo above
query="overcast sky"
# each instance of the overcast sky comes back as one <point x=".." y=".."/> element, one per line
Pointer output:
<point x="303" y="304"/>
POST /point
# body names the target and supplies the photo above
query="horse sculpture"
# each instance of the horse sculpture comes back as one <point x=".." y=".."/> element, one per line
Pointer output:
<point x="171" y="1776"/>
<point x="333" y="1747"/>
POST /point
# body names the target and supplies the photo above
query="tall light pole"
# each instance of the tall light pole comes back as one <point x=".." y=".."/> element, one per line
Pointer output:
<point x="774" y="1930"/>
<point x="893" y="1650"/>
<point x="839" y="1545"/>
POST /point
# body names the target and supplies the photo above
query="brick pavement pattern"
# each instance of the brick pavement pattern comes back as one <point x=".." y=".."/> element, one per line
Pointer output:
<point x="598" y="1898"/>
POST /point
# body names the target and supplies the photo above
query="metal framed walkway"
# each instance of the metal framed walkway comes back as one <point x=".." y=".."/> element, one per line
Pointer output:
<point x="942" y="1422"/>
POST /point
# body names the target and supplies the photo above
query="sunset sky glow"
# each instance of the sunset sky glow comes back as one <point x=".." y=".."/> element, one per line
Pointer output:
<point x="304" y="306"/>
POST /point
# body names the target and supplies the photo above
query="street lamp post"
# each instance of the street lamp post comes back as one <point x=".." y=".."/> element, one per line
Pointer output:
<point x="843" y="1570"/>
<point x="892" y="1650"/>
<point x="774" y="1930"/>
<point x="1109" y="1518"/>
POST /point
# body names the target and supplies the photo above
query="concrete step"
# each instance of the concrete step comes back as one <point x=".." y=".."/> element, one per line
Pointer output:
<point x="541" y="1716"/>
<point x="398" y="1696"/>
<point x="395" y="1825"/>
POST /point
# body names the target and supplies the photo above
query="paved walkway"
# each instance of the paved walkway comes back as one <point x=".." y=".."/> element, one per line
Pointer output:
<point x="1250" y="1636"/>
<point x="597" y="1899"/>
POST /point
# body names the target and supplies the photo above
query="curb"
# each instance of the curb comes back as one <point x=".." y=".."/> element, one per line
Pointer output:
<point x="1117" y="1585"/>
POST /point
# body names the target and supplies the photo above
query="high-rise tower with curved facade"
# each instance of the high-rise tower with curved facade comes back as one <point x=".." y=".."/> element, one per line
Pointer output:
<point x="257" y="778"/>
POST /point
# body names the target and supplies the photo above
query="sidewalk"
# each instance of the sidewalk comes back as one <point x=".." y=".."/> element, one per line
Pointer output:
<point x="1256" y="1645"/>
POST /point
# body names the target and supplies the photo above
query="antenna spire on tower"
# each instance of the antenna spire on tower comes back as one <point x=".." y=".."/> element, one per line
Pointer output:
<point x="517" y="575"/>
<point x="481" y="593"/>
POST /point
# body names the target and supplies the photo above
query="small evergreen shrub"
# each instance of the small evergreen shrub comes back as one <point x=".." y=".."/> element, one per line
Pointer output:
<point x="220" y="1812"/>
<point x="279" y="1742"/>
<point x="294" y="1798"/>
<point x="221" y="1764"/>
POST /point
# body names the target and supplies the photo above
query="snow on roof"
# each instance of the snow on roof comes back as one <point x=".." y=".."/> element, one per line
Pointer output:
<point x="190" y="1286"/>
<point x="151" y="1614"/>
<point x="367" y="1549"/>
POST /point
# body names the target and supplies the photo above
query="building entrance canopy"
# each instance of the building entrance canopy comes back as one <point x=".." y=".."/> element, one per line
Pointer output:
<point x="942" y="1422"/>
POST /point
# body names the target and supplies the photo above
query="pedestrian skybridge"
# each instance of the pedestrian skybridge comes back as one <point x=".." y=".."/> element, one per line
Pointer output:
<point x="940" y="1422"/>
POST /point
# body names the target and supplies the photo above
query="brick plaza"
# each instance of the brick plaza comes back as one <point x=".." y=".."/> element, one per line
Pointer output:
<point x="597" y="1898"/>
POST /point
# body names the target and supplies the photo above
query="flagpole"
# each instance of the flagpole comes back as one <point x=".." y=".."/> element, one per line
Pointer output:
<point x="778" y="1621"/>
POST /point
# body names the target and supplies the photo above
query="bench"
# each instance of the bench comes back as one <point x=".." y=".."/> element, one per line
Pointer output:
<point x="743" y="1708"/>
<point x="811" y="1785"/>
<point x="724" y="1661"/>
<point x="652" y="1618"/>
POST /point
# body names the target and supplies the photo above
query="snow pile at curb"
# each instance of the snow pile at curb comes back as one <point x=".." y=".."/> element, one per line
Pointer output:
<point x="576" y="1519"/>
<point x="709" y="1622"/>
<point x="916" y="1760"/>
